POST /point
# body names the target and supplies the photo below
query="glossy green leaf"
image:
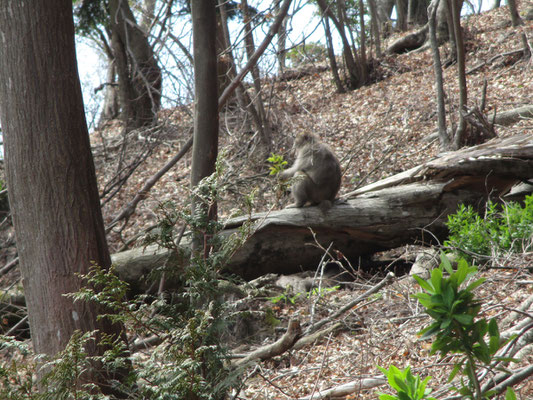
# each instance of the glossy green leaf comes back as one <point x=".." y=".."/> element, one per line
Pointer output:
<point x="475" y="284"/>
<point x="445" y="262"/>
<point x="423" y="284"/>
<point x="464" y="319"/>
<point x="510" y="394"/>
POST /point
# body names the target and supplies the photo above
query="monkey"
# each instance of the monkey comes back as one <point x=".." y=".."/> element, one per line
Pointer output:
<point x="317" y="173"/>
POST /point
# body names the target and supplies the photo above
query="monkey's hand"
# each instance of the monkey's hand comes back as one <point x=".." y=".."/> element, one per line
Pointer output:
<point x="287" y="173"/>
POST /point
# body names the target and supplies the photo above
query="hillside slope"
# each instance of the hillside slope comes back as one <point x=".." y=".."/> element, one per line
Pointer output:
<point x="376" y="131"/>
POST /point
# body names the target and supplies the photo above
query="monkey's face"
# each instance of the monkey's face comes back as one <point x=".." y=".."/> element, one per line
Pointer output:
<point x="303" y="139"/>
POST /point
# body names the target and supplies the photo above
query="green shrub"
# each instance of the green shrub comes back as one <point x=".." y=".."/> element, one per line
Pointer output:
<point x="190" y="361"/>
<point x="457" y="326"/>
<point x="503" y="228"/>
<point x="407" y="385"/>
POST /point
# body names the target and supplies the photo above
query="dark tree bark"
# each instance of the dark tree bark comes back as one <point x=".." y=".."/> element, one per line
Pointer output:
<point x="50" y="173"/>
<point x="205" y="145"/>
<point x="138" y="72"/>
<point x="417" y="12"/>
<point x="401" y="12"/>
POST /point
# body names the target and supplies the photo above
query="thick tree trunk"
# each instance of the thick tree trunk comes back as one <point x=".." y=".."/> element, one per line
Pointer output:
<point x="50" y="173"/>
<point x="408" y="207"/>
<point x="205" y="145"/>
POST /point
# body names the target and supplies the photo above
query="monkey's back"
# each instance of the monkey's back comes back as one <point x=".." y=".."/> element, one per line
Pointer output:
<point x="325" y="173"/>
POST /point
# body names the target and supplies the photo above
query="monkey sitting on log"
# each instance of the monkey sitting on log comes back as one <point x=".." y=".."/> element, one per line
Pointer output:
<point x="317" y="173"/>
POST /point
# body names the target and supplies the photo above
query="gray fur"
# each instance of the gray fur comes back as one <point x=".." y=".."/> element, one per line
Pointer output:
<point x="317" y="173"/>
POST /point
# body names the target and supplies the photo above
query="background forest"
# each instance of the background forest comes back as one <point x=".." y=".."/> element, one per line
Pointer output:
<point x="145" y="251"/>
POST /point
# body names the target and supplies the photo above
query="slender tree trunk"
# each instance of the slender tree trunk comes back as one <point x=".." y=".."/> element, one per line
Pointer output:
<point x="374" y="22"/>
<point x="352" y="66"/>
<point x="437" y="67"/>
<point x="205" y="146"/>
<point x="272" y="31"/>
<point x="111" y="107"/>
<point x="331" y="57"/>
<point x="461" y="73"/>
<point x="223" y="59"/>
<point x="451" y="31"/>
<point x="363" y="61"/>
<point x="517" y="21"/>
<point x="51" y="177"/>
<point x="410" y="12"/>
<point x="242" y="96"/>
<point x="282" y="39"/>
<point x="250" y="49"/>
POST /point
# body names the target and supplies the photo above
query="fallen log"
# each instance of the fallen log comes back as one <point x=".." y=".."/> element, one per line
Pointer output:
<point x="408" y="207"/>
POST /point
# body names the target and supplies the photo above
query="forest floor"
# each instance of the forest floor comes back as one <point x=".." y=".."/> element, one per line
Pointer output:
<point x="376" y="131"/>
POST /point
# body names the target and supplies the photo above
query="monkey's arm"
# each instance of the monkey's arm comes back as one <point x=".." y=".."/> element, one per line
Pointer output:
<point x="303" y="162"/>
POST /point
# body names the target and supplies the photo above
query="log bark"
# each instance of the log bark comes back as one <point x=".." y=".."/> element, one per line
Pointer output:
<point x="512" y="116"/>
<point x="411" y="206"/>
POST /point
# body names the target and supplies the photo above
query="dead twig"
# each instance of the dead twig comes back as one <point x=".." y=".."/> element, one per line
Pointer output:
<point x="347" y="388"/>
<point x="127" y="211"/>
<point x="483" y="63"/>
<point x="9" y="266"/>
<point x="387" y="280"/>
<point x="278" y="347"/>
